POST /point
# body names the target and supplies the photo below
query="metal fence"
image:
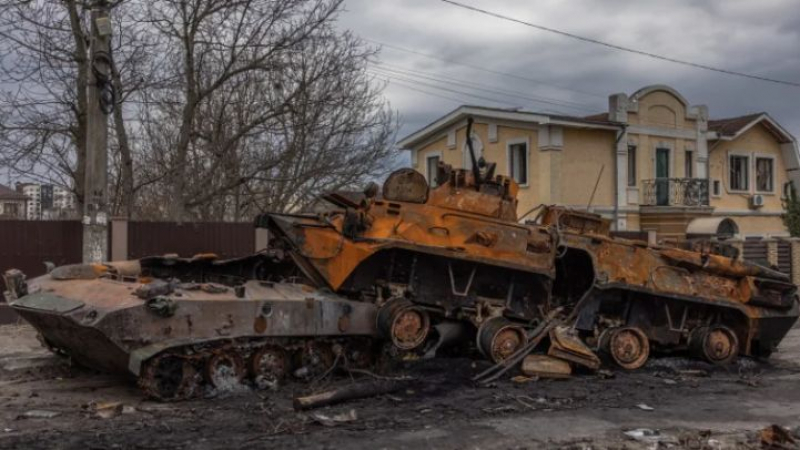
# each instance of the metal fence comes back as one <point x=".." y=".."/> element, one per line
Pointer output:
<point x="27" y="244"/>
<point x="785" y="257"/>
<point x="756" y="250"/>
<point x="225" y="239"/>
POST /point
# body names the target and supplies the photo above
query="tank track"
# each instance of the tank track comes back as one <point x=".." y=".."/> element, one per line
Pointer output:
<point x="192" y="371"/>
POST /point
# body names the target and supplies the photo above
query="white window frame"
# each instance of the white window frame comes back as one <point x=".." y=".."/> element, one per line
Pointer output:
<point x="756" y="157"/>
<point x="517" y="141"/>
<point x="785" y="188"/>
<point x="428" y="157"/>
<point x="749" y="167"/>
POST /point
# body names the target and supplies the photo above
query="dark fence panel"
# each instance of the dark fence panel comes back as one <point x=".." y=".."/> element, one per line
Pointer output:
<point x="226" y="239"/>
<point x="785" y="257"/>
<point x="755" y="250"/>
<point x="27" y="244"/>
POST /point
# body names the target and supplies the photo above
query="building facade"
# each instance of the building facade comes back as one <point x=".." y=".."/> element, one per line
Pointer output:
<point x="653" y="162"/>
<point x="48" y="202"/>
<point x="12" y="204"/>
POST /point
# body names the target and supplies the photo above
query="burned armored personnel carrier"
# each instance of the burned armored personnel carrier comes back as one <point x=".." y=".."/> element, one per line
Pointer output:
<point x="405" y="264"/>
<point x="637" y="297"/>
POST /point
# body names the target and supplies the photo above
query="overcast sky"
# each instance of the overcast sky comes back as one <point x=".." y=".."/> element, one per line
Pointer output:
<point x="572" y="77"/>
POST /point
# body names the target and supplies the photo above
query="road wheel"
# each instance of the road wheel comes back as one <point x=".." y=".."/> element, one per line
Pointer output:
<point x="269" y="366"/>
<point x="499" y="338"/>
<point x="629" y="347"/>
<point x="225" y="369"/>
<point x="716" y="344"/>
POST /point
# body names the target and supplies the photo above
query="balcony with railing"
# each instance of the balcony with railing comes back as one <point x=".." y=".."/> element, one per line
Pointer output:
<point x="675" y="192"/>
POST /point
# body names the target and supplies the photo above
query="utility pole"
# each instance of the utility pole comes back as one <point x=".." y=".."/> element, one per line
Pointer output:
<point x="101" y="101"/>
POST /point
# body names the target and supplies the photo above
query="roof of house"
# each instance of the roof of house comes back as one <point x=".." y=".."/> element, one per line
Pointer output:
<point x="732" y="127"/>
<point x="463" y="111"/>
<point x="7" y="193"/>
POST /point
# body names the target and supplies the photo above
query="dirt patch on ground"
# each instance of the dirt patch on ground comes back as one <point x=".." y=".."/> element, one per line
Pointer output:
<point x="673" y="402"/>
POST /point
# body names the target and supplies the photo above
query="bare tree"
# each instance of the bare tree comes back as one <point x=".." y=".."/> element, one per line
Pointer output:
<point x="339" y="133"/>
<point x="43" y="100"/>
<point x="271" y="104"/>
<point x="224" y="108"/>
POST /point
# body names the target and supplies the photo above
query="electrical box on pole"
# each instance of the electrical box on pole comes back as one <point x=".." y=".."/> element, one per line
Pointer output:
<point x="101" y="101"/>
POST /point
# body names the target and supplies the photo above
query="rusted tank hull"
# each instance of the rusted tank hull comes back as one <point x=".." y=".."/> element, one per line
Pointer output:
<point x="100" y="324"/>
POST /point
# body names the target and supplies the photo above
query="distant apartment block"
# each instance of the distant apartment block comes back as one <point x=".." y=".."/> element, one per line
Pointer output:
<point x="47" y="202"/>
<point x="12" y="204"/>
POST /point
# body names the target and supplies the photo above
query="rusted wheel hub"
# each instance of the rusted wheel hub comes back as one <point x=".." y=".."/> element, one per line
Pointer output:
<point x="409" y="328"/>
<point x="628" y="347"/>
<point x="405" y="324"/>
<point x="224" y="369"/>
<point x="269" y="365"/>
<point x="719" y="345"/>
<point x="498" y="339"/>
<point x="170" y="377"/>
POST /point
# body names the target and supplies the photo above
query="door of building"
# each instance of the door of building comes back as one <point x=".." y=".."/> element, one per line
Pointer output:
<point x="662" y="176"/>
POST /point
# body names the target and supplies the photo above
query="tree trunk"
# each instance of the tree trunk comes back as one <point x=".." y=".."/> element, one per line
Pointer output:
<point x="80" y="133"/>
<point x="124" y="148"/>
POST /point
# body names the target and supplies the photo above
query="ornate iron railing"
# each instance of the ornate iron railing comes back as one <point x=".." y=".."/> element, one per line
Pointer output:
<point x="675" y="192"/>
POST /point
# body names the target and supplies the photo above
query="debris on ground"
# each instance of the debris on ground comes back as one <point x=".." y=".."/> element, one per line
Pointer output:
<point x="650" y="436"/>
<point x="645" y="407"/>
<point x="39" y="414"/>
<point x="543" y="366"/>
<point x="565" y="344"/>
<point x="108" y="410"/>
<point x="775" y="436"/>
<point x="349" y="392"/>
<point x="334" y="420"/>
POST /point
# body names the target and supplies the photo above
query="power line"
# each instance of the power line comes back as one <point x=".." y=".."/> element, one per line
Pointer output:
<point x="482" y="69"/>
<point x="451" y="84"/>
<point x="621" y="48"/>
<point x="446" y="89"/>
<point x="422" y="91"/>
<point x="481" y="87"/>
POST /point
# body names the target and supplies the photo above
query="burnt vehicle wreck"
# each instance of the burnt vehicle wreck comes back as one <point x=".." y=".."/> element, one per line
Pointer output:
<point x="639" y="297"/>
<point x="402" y="270"/>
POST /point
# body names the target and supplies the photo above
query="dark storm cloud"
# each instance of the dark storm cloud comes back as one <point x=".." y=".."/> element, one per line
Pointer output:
<point x="752" y="37"/>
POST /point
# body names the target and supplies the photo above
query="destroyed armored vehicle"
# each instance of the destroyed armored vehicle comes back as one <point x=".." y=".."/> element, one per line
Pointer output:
<point x="221" y="325"/>
<point x="403" y="270"/>
<point x="635" y="297"/>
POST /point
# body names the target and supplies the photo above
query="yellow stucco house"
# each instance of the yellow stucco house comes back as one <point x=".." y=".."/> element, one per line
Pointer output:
<point x="653" y="161"/>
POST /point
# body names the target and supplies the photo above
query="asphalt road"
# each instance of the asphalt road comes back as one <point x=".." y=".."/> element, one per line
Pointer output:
<point x="672" y="403"/>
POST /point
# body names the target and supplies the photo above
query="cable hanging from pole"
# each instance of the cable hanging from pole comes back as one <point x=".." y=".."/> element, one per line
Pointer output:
<point x="108" y="95"/>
